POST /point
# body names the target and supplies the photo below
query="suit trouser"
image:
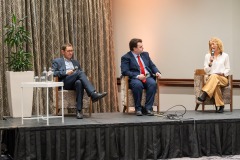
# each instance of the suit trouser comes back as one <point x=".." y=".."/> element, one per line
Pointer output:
<point x="78" y="81"/>
<point x="213" y="88"/>
<point x="137" y="88"/>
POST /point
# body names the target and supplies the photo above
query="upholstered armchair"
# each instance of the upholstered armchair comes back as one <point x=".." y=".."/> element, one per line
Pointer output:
<point x="127" y="96"/>
<point x="70" y="100"/>
<point x="200" y="79"/>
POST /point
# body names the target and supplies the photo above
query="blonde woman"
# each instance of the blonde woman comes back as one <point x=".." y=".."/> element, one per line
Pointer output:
<point x="217" y="66"/>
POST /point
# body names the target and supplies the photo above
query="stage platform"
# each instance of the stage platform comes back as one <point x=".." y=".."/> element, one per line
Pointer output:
<point x="124" y="136"/>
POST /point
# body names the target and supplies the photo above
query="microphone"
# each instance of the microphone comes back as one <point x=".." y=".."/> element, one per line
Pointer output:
<point x="212" y="54"/>
<point x="213" y="50"/>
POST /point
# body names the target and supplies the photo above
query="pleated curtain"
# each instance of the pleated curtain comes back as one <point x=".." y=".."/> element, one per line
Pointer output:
<point x="87" y="24"/>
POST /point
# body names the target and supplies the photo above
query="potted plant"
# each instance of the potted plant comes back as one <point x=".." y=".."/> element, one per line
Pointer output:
<point x="19" y="61"/>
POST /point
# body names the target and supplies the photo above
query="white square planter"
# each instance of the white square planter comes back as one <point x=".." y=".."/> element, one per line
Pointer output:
<point x="14" y="80"/>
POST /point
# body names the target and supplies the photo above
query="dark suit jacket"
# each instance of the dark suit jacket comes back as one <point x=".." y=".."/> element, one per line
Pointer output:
<point x="130" y="67"/>
<point x="59" y="67"/>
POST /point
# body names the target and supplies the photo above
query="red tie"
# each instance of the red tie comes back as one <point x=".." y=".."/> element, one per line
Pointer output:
<point x="141" y="68"/>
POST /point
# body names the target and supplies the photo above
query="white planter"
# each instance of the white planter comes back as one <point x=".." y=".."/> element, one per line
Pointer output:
<point x="14" y="80"/>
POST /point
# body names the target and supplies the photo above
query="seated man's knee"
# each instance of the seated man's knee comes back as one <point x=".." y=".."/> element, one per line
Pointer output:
<point x="137" y="85"/>
<point x="78" y="83"/>
<point x="152" y="86"/>
<point x="152" y="83"/>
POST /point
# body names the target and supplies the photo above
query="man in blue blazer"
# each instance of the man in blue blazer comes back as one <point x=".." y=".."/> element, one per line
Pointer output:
<point x="70" y="73"/>
<point x="142" y="72"/>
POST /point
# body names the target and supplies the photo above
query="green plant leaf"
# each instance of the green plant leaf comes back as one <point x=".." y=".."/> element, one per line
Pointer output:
<point x="16" y="37"/>
<point x="14" y="19"/>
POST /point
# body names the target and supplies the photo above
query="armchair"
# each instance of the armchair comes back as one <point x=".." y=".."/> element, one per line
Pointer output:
<point x="70" y="99"/>
<point x="199" y="81"/>
<point x="127" y="96"/>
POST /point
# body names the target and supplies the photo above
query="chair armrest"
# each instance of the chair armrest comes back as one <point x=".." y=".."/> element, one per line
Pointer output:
<point x="55" y="79"/>
<point x="124" y="86"/>
<point x="124" y="82"/>
<point x="230" y="80"/>
<point x="199" y="72"/>
<point x="126" y="78"/>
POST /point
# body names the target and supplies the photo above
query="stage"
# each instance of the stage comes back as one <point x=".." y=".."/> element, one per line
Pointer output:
<point x="124" y="136"/>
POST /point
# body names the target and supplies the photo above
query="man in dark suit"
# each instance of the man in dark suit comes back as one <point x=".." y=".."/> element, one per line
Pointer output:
<point x="71" y="74"/>
<point x="142" y="72"/>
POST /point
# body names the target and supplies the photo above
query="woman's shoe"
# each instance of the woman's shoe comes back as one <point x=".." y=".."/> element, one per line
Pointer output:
<point x="221" y="109"/>
<point x="216" y="109"/>
<point x="203" y="97"/>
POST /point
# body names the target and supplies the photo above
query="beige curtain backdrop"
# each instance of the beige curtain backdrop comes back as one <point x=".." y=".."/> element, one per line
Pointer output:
<point x="87" y="24"/>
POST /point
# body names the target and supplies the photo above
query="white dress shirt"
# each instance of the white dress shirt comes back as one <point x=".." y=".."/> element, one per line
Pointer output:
<point x="136" y="57"/>
<point x="69" y="65"/>
<point x="219" y="65"/>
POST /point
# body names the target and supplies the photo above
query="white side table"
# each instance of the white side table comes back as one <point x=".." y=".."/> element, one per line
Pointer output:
<point x="46" y="85"/>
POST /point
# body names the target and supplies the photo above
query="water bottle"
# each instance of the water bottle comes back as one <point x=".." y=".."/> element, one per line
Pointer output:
<point x="44" y="75"/>
<point x="50" y="74"/>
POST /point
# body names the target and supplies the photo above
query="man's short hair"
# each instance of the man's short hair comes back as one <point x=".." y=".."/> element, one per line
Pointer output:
<point x="64" y="46"/>
<point x="133" y="43"/>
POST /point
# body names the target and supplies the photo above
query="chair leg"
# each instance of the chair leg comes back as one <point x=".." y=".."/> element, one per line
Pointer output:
<point x="158" y="97"/>
<point x="124" y="109"/>
<point x="203" y="107"/>
<point x="90" y="108"/>
<point x="197" y="105"/>
<point x="57" y="111"/>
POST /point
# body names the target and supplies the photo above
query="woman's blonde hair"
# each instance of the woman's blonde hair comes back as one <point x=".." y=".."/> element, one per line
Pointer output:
<point x="218" y="42"/>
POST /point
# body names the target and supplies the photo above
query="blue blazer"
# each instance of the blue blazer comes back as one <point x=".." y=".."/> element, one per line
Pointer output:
<point x="59" y="67"/>
<point x="130" y="67"/>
